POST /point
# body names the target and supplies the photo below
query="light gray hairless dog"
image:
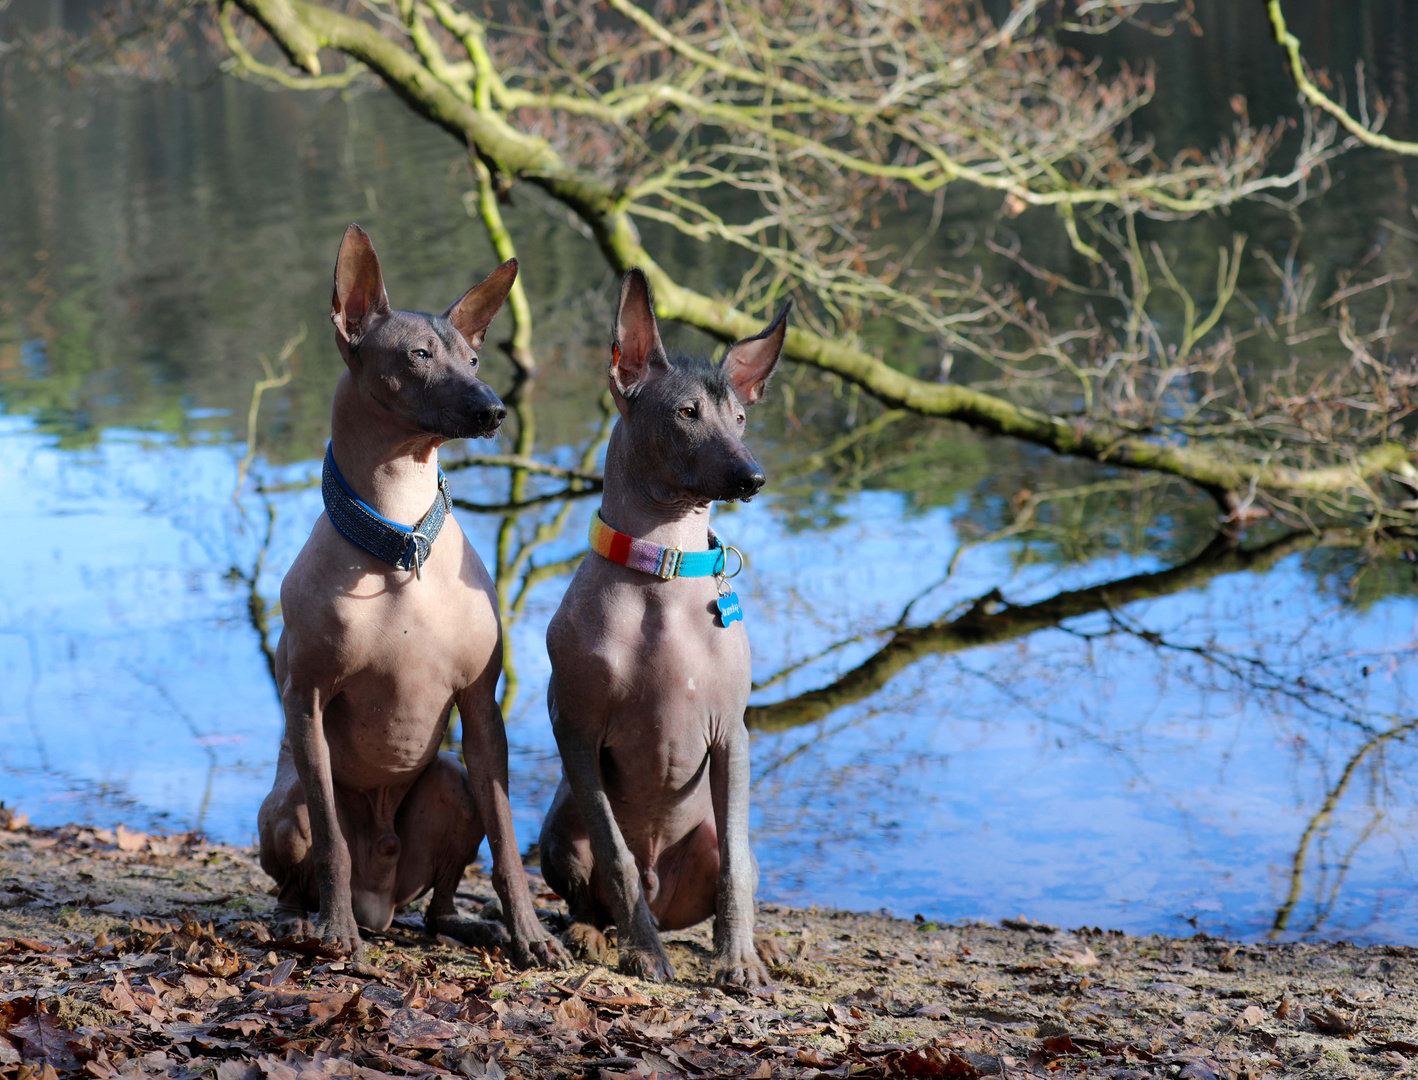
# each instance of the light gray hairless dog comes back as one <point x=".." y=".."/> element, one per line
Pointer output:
<point x="649" y="826"/>
<point x="366" y="815"/>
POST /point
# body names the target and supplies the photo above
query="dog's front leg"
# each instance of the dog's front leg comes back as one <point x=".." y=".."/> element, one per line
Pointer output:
<point x="641" y="951"/>
<point x="305" y="731"/>
<point x="736" y="961"/>
<point x="485" y="753"/>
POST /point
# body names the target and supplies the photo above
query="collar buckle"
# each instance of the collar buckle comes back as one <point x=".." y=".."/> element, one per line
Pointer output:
<point x="670" y="559"/>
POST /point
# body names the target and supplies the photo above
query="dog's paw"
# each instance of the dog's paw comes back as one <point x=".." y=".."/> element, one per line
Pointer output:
<point x="770" y="950"/>
<point x="649" y="964"/>
<point x="740" y="971"/>
<point x="587" y="943"/>
<point x="339" y="931"/>
<point x="542" y="952"/>
<point x="292" y="925"/>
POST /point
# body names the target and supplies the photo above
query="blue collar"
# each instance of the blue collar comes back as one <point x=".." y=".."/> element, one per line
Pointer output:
<point x="405" y="547"/>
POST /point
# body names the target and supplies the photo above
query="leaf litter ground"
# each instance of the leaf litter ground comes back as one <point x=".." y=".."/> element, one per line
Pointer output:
<point x="123" y="954"/>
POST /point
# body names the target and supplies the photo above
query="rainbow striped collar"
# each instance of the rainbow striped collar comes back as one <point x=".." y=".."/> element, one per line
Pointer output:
<point x="664" y="562"/>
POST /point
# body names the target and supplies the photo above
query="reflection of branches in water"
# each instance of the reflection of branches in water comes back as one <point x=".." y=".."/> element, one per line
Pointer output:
<point x="199" y="738"/>
<point x="514" y="572"/>
<point x="285" y="364"/>
<point x="818" y="738"/>
<point x="1329" y="895"/>
<point x="32" y="647"/>
<point x="835" y="802"/>
<point x="258" y="609"/>
<point x="524" y="464"/>
<point x="1320" y="822"/>
<point x="991" y="620"/>
<point x="815" y="461"/>
<point x="807" y="661"/>
<point x="581" y="482"/>
<point x="109" y="793"/>
<point x="1254" y="671"/>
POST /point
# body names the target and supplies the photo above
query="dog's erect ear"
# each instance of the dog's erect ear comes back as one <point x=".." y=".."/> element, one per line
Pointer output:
<point x="472" y="313"/>
<point x="637" y="355"/>
<point x="360" y="299"/>
<point x="750" y="363"/>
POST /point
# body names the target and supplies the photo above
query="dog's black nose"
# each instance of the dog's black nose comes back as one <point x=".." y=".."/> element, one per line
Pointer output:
<point x="490" y="416"/>
<point x="748" y="480"/>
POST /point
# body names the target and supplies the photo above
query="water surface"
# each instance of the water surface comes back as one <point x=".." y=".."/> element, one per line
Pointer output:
<point x="1110" y="717"/>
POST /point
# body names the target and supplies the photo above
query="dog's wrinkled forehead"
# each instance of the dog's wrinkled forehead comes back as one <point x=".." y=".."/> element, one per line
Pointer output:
<point x="408" y="325"/>
<point x="693" y="376"/>
<point x="447" y="332"/>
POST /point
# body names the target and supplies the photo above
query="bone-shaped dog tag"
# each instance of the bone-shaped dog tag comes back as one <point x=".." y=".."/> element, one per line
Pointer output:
<point x="729" y="609"/>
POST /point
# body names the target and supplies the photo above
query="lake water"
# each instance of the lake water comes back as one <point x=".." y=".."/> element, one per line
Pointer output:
<point x="1111" y="718"/>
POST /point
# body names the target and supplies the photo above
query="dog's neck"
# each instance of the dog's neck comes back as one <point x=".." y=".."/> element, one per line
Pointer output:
<point x="627" y="507"/>
<point x="391" y="467"/>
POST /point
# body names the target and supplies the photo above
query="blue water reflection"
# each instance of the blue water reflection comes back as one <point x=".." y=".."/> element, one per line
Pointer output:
<point x="1153" y="766"/>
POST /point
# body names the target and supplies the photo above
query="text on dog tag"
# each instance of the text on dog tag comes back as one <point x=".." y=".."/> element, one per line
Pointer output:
<point x="729" y="609"/>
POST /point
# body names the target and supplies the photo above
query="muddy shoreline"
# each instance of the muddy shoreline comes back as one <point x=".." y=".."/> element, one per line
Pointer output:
<point x="123" y="954"/>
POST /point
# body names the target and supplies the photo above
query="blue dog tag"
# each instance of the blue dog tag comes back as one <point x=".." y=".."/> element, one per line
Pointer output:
<point x="729" y="609"/>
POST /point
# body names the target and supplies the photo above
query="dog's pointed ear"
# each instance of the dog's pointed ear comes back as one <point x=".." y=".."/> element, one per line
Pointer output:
<point x="472" y="313"/>
<point x="637" y="354"/>
<point x="360" y="300"/>
<point x="749" y="364"/>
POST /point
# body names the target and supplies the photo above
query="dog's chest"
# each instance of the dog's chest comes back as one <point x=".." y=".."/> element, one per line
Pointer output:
<point x="676" y="682"/>
<point x="393" y="649"/>
<point x="427" y="636"/>
<point x="403" y="668"/>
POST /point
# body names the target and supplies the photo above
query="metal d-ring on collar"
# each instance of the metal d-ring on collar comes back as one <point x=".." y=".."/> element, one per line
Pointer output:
<point x="403" y="546"/>
<point x="738" y="569"/>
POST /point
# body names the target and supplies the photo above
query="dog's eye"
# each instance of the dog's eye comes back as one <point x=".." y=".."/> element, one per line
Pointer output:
<point x="689" y="412"/>
<point x="739" y="418"/>
<point x="422" y="354"/>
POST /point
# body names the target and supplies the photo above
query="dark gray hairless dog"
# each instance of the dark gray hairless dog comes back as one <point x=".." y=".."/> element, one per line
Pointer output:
<point x="649" y="827"/>
<point x="366" y="815"/>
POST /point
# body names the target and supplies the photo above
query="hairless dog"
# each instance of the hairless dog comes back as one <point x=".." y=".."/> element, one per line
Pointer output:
<point x="650" y="666"/>
<point x="387" y="627"/>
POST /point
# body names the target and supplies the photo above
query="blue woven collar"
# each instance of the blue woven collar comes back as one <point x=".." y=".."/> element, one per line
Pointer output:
<point x="403" y="546"/>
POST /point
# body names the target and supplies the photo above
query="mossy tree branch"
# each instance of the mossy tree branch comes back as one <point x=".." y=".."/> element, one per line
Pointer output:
<point x="1364" y="132"/>
<point x="1230" y="451"/>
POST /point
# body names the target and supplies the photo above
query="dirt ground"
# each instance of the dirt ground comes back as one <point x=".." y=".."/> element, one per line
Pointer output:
<point x="123" y="954"/>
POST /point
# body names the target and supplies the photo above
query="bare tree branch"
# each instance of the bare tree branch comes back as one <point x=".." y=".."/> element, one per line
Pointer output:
<point x="803" y="142"/>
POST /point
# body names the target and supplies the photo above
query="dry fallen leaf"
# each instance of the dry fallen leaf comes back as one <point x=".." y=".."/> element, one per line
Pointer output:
<point x="478" y="1068"/>
<point x="413" y="1029"/>
<point x="44" y="1040"/>
<point x="1332" y="1022"/>
<point x="929" y="1061"/>
<point x="573" y="1014"/>
<point x="129" y="840"/>
<point x="1074" y="958"/>
<point x="281" y="972"/>
<point x="1250" y="1017"/>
